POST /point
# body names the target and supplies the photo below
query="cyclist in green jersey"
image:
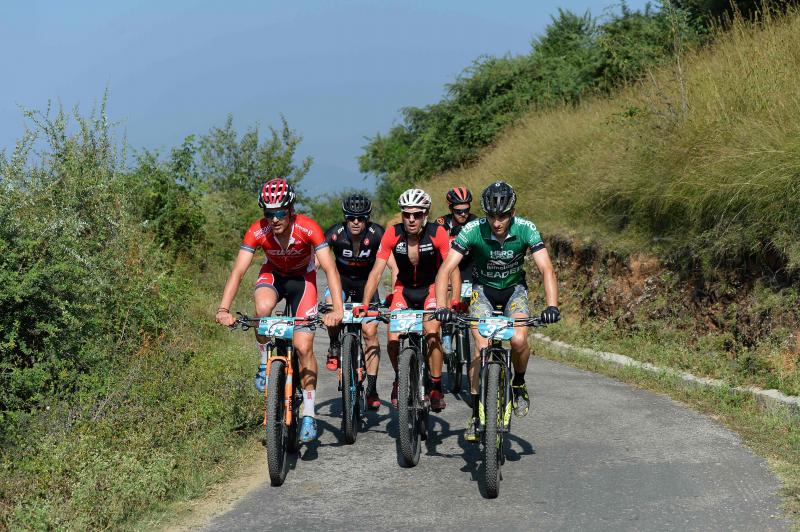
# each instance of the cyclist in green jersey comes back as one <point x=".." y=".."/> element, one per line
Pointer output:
<point x="498" y="244"/>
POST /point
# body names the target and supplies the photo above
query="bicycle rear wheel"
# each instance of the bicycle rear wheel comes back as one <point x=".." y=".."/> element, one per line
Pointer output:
<point x="277" y="432"/>
<point x="409" y="407"/>
<point x="492" y="438"/>
<point x="351" y="414"/>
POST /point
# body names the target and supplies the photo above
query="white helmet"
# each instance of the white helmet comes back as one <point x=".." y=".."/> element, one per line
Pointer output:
<point x="414" y="197"/>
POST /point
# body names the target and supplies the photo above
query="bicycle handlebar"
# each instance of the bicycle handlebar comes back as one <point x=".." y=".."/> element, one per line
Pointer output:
<point x="530" y="322"/>
<point x="245" y="322"/>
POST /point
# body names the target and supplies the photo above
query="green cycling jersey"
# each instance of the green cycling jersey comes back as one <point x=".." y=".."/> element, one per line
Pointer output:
<point x="499" y="265"/>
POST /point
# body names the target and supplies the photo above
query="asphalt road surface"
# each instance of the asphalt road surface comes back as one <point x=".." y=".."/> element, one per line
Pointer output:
<point x="593" y="454"/>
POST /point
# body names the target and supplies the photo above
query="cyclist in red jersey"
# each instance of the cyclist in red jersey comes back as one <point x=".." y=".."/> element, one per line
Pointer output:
<point x="419" y="247"/>
<point x="293" y="245"/>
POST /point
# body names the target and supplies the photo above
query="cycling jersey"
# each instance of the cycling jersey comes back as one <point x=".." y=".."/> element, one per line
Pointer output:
<point x="448" y="222"/>
<point x="433" y="248"/>
<point x="499" y="265"/>
<point x="298" y="257"/>
<point x="351" y="265"/>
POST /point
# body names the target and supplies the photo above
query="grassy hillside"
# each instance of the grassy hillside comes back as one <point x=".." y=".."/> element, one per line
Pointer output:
<point x="701" y="157"/>
<point x="693" y="173"/>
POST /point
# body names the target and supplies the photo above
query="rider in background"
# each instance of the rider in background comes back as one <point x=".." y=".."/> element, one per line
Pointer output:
<point x="419" y="247"/>
<point x="355" y="245"/>
<point x="498" y="244"/>
<point x="459" y="201"/>
<point x="293" y="244"/>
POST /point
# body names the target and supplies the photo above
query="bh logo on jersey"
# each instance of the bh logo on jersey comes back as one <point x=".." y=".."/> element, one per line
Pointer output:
<point x="363" y="254"/>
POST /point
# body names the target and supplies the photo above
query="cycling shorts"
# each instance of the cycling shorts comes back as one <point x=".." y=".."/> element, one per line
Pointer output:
<point x="511" y="300"/>
<point x="354" y="291"/>
<point x="419" y="298"/>
<point x="299" y="291"/>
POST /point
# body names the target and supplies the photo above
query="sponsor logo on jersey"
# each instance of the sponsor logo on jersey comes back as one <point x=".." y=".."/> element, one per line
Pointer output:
<point x="291" y="252"/>
<point x="502" y="254"/>
<point x="401" y="248"/>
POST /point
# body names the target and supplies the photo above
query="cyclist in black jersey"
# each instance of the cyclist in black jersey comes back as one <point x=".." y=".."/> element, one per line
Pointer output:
<point x="355" y="245"/>
<point x="458" y="201"/>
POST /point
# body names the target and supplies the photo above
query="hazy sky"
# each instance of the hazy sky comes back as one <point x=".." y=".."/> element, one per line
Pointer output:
<point x="339" y="71"/>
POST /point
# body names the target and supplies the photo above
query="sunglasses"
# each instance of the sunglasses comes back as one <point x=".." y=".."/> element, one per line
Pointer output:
<point x="416" y="215"/>
<point x="279" y="214"/>
<point x="356" y="218"/>
<point x="461" y="211"/>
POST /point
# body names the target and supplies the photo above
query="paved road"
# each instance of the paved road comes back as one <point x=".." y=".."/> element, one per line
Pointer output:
<point x="593" y="454"/>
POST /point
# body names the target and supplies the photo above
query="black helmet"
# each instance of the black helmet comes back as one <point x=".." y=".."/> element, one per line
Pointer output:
<point x="458" y="195"/>
<point x="356" y="205"/>
<point x="498" y="198"/>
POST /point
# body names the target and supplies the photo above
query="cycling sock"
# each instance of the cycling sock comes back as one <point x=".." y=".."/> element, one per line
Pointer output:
<point x="519" y="379"/>
<point x="262" y="352"/>
<point x="309" y="396"/>
<point x="436" y="383"/>
<point x="475" y="405"/>
<point x="371" y="381"/>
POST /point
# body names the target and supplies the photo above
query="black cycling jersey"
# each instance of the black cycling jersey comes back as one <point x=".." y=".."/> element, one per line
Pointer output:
<point x="466" y="264"/>
<point x="351" y="265"/>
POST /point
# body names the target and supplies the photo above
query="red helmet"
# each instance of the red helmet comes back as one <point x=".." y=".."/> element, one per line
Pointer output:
<point x="458" y="195"/>
<point x="276" y="194"/>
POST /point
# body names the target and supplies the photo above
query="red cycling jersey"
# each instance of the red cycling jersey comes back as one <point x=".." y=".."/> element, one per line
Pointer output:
<point x="298" y="257"/>
<point x="415" y="286"/>
<point x="434" y="243"/>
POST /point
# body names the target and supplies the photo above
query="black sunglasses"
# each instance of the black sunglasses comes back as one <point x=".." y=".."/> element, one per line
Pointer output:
<point x="356" y="218"/>
<point x="461" y="211"/>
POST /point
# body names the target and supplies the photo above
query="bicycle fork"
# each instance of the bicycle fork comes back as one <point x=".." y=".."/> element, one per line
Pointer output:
<point x="288" y="388"/>
<point x="488" y="356"/>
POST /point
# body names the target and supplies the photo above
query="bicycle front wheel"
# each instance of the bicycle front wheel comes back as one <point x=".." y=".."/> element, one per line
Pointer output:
<point x="492" y="439"/>
<point x="277" y="431"/>
<point x="409" y="412"/>
<point x="351" y="415"/>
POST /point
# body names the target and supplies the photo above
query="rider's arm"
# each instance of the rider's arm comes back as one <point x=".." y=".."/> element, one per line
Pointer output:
<point x="542" y="260"/>
<point x="393" y="268"/>
<point x="373" y="280"/>
<point x="243" y="261"/>
<point x="445" y="271"/>
<point x="326" y="261"/>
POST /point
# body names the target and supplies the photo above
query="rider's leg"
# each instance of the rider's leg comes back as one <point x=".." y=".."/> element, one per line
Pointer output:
<point x="372" y="357"/>
<point x="393" y="348"/>
<point x="372" y="347"/>
<point x="333" y="332"/>
<point x="520" y="347"/>
<point x="304" y="350"/>
<point x="432" y="329"/>
<point x="266" y="297"/>
<point x="332" y="359"/>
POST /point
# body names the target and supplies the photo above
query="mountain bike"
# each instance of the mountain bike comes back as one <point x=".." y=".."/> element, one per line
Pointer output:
<point x="412" y="394"/>
<point x="352" y="371"/>
<point x="457" y="353"/>
<point x="495" y="402"/>
<point x="283" y="395"/>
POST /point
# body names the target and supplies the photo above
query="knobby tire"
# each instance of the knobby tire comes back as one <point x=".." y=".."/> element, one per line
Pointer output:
<point x="277" y="432"/>
<point x="351" y="416"/>
<point x="408" y="412"/>
<point x="491" y="442"/>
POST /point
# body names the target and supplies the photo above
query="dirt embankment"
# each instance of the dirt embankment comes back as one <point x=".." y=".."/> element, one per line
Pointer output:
<point x="753" y="323"/>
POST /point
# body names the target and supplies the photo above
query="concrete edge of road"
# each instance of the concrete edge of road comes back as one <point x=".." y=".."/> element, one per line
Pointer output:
<point x="765" y="398"/>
